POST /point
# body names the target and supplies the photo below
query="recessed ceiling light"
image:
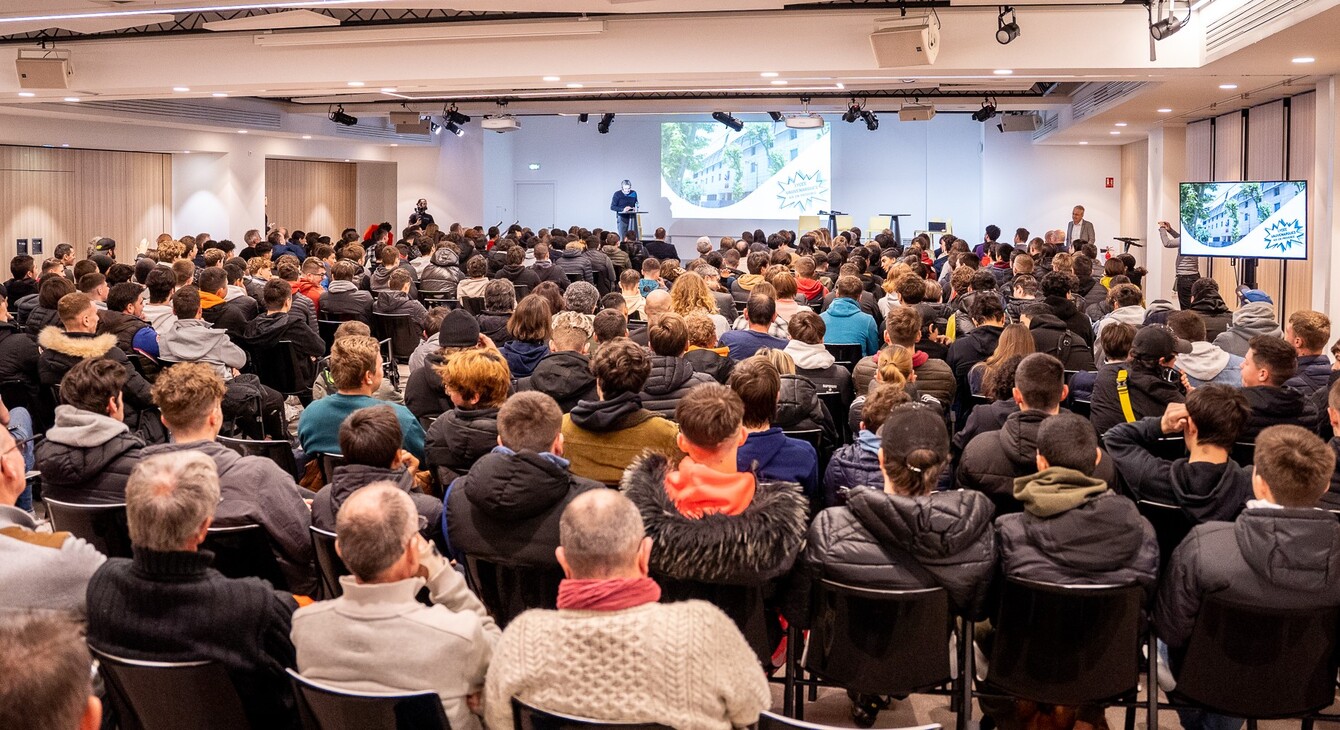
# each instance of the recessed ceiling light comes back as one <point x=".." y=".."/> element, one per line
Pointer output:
<point x="395" y="144"/>
<point x="769" y="74"/>
<point x="355" y="83"/>
<point x="1083" y="142"/>
<point x="346" y="160"/>
<point x="1164" y="110"/>
<point x="1114" y="132"/>
<point x="1119" y="124"/>
<point x="307" y="136"/>
<point x="1004" y="71"/>
<point x="186" y="152"/>
<point x="27" y="94"/>
<point x="1304" y="59"/>
<point x="241" y="131"/>
<point x="1227" y="87"/>
<point x="219" y="94"/>
<point x="72" y="98"/>
<point x="574" y="86"/>
<point x="552" y="78"/>
<point x="840" y="85"/>
<point x="67" y="144"/>
<point x="779" y="82"/>
<point x="388" y="89"/>
<point x="181" y="89"/>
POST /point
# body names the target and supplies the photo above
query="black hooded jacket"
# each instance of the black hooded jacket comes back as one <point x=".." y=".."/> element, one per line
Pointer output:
<point x="799" y="409"/>
<point x="1052" y="336"/>
<point x="1205" y="492"/>
<point x="887" y="541"/>
<point x="1215" y="313"/>
<point x="519" y="275"/>
<point x="708" y="361"/>
<point x="425" y="396"/>
<point x="1275" y="406"/>
<point x="18" y="358"/>
<point x="457" y="439"/>
<point x="87" y="459"/>
<point x="1066" y="311"/>
<point x="992" y="461"/>
<point x="268" y="330"/>
<point x="1149" y="394"/>
<point x="506" y="509"/>
<point x="671" y="379"/>
<point x="564" y="376"/>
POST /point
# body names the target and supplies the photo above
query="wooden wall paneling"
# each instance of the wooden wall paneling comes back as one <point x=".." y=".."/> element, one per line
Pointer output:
<point x="1302" y="149"/>
<point x="1228" y="145"/>
<point x="1199" y="162"/>
<point x="1265" y="161"/>
<point x="306" y="195"/>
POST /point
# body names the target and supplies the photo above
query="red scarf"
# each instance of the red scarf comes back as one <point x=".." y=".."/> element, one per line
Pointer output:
<point x="614" y="594"/>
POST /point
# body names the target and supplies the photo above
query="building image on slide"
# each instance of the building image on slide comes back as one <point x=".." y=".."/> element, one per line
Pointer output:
<point x="766" y="170"/>
<point x="1249" y="219"/>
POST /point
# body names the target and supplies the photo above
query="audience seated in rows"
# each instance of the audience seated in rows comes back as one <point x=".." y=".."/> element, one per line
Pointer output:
<point x="477" y="382"/>
<point x="88" y="454"/>
<point x="356" y="371"/>
<point x="1141" y="386"/>
<point x="282" y="323"/>
<point x="671" y="375"/>
<point x="565" y="373"/>
<point x="425" y="396"/>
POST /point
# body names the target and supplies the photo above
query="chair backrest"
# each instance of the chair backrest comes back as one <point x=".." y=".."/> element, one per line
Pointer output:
<point x="744" y="605"/>
<point x="845" y="355"/>
<point x="329" y="565"/>
<point x="837" y="408"/>
<point x="327" y="327"/>
<point x="877" y="641"/>
<point x="103" y="526"/>
<point x="773" y="721"/>
<point x="811" y="436"/>
<point x="473" y="305"/>
<point x="321" y="707"/>
<point x="1067" y="645"/>
<point x="521" y="290"/>
<point x="1254" y="662"/>
<point x="166" y="695"/>
<point x="574" y="276"/>
<point x="432" y="299"/>
<point x="526" y="717"/>
<point x="327" y="463"/>
<point x="1243" y="452"/>
<point x="277" y="367"/>
<point x="280" y="452"/>
<point x="508" y="590"/>
<point x="244" y="551"/>
<point x="1170" y="524"/>
<point x="402" y="331"/>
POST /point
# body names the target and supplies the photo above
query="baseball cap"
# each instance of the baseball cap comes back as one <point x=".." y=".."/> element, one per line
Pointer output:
<point x="459" y="329"/>
<point x="1158" y="342"/>
<point x="911" y="427"/>
<point x="1248" y="296"/>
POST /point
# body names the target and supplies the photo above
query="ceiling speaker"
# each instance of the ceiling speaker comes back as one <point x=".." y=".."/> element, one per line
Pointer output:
<point x="912" y="41"/>
<point x="44" y="73"/>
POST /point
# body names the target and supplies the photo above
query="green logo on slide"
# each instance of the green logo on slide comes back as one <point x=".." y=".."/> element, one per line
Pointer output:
<point x="801" y="190"/>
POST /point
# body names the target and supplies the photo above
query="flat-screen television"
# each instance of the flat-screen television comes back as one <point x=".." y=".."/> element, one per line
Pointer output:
<point x="1259" y="220"/>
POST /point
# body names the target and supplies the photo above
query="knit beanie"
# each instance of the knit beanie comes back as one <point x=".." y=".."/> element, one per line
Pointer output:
<point x="459" y="329"/>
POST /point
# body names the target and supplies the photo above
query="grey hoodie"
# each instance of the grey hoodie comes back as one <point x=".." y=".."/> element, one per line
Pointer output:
<point x="194" y="340"/>
<point x="1133" y="315"/>
<point x="87" y="457"/>
<point x="1256" y="318"/>
<point x="1209" y="364"/>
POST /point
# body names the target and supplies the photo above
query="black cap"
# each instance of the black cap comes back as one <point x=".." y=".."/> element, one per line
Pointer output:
<point x="1159" y="343"/>
<point x="911" y="427"/>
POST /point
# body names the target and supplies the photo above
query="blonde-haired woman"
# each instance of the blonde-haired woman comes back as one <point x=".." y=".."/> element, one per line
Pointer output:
<point x="690" y="295"/>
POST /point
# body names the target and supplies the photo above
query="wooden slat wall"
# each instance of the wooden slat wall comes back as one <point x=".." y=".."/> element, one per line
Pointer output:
<point x="1302" y="147"/>
<point x="72" y="196"/>
<point x="1227" y="168"/>
<point x="311" y="196"/>
<point x="1200" y="161"/>
<point x="1265" y="161"/>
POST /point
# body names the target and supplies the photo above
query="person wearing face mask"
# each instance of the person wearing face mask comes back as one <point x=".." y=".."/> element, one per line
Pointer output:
<point x="624" y="204"/>
<point x="421" y="218"/>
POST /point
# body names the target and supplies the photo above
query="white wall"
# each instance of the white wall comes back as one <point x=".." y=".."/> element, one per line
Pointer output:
<point x="376" y="194"/>
<point x="450" y="175"/>
<point x="1035" y="186"/>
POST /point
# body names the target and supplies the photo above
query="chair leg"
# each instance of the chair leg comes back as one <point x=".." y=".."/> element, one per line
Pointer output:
<point x="789" y="681"/>
<point x="1251" y="724"/>
<point x="1152" y="686"/>
<point x="965" y="674"/>
<point x="1130" y="717"/>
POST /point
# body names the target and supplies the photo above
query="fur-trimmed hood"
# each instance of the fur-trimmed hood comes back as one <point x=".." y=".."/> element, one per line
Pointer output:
<point x="755" y="546"/>
<point x="76" y="344"/>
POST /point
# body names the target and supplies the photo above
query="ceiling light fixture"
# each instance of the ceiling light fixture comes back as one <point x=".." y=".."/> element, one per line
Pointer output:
<point x="356" y="83"/>
<point x="1304" y="59"/>
<point x="853" y="112"/>
<point x="583" y="118"/>
<point x="776" y="116"/>
<point x="769" y="74"/>
<point x="1114" y="133"/>
<point x="1119" y="124"/>
<point x="455" y="117"/>
<point x="1083" y="142"/>
<point x="1164" y="110"/>
<point x="603" y="126"/>
<point x="1003" y="71"/>
<point x="241" y="131"/>
<point x="779" y="82"/>
<point x="340" y="117"/>
<point x="27" y="94"/>
<point x="388" y="89"/>
<point x="307" y="136"/>
<point x="871" y="121"/>
<point x="181" y="89"/>
<point x="728" y="120"/>
<point x="1166" y="27"/>
<point x="218" y="94"/>
<point x="552" y="78"/>
<point x="454" y="128"/>
<point x="1228" y="87"/>
<point x="987" y="112"/>
<point x="574" y="86"/>
<point x="1006" y="32"/>
<point x="72" y="99"/>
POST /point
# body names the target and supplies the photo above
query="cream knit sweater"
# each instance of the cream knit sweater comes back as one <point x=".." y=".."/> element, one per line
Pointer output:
<point x="683" y="664"/>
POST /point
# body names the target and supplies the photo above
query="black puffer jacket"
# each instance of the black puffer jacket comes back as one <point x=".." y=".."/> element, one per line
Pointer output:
<point x="992" y="461"/>
<point x="1075" y="320"/>
<point x="750" y="548"/>
<point x="710" y="361"/>
<point x="1052" y="336"/>
<point x="41" y="318"/>
<point x="1313" y="374"/>
<point x="881" y="540"/>
<point x="457" y="439"/>
<point x="494" y="326"/>
<point x="442" y="273"/>
<point x="506" y="509"/>
<point x="1276" y="406"/>
<point x="345" y="300"/>
<point x="851" y="466"/>
<point x="564" y="376"/>
<point x="18" y="357"/>
<point x="1271" y="558"/>
<point x="799" y="409"/>
<point x="671" y="379"/>
<point x="87" y="458"/>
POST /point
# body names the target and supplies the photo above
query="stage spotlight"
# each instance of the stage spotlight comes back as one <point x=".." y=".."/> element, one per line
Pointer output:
<point x="456" y="117"/>
<point x="987" y="111"/>
<point x="853" y="112"/>
<point x="339" y="117"/>
<point x="435" y="128"/>
<point x="1006" y="32"/>
<point x="776" y="116"/>
<point x="454" y="128"/>
<point x="871" y="121"/>
<point x="728" y="120"/>
<point x="583" y="118"/>
<point x="1166" y="27"/>
<point x="603" y="126"/>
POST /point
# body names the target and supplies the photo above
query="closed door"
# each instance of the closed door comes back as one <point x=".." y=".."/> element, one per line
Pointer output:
<point x="535" y="204"/>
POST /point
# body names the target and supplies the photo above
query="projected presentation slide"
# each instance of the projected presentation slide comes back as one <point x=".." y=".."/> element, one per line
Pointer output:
<point x="766" y="171"/>
<point x="1265" y="220"/>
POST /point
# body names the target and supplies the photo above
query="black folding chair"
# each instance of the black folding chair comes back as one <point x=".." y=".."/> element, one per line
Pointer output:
<point x="744" y="604"/>
<point x="244" y="551"/>
<point x="1258" y="663"/>
<point x="1070" y="645"/>
<point x="508" y="590"/>
<point x="575" y="276"/>
<point x="879" y="641"/>
<point x="402" y="331"/>
<point x="280" y="452"/>
<point x="521" y="291"/>
<point x="169" y="695"/>
<point x="329" y="566"/>
<point x="432" y="299"/>
<point x="103" y="526"/>
<point x="326" y="328"/>
<point x="526" y="717"/>
<point x="278" y="367"/>
<point x="473" y="305"/>
<point x="322" y="707"/>
<point x="773" y="721"/>
<point x="327" y="463"/>
<point x="1170" y="524"/>
<point x="845" y="355"/>
<point x="837" y="408"/>
<point x="811" y="436"/>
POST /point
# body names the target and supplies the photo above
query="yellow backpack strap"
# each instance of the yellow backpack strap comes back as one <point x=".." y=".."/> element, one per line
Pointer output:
<point x="1124" y="395"/>
<point x="950" y="326"/>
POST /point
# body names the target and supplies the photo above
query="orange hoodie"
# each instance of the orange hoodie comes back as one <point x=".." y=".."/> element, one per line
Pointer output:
<point x="208" y="300"/>
<point x="722" y="351"/>
<point x="698" y="490"/>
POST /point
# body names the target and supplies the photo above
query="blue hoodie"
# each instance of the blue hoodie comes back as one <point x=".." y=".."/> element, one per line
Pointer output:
<point x="774" y="456"/>
<point x="848" y="324"/>
<point x="853" y="465"/>
<point x="523" y="355"/>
